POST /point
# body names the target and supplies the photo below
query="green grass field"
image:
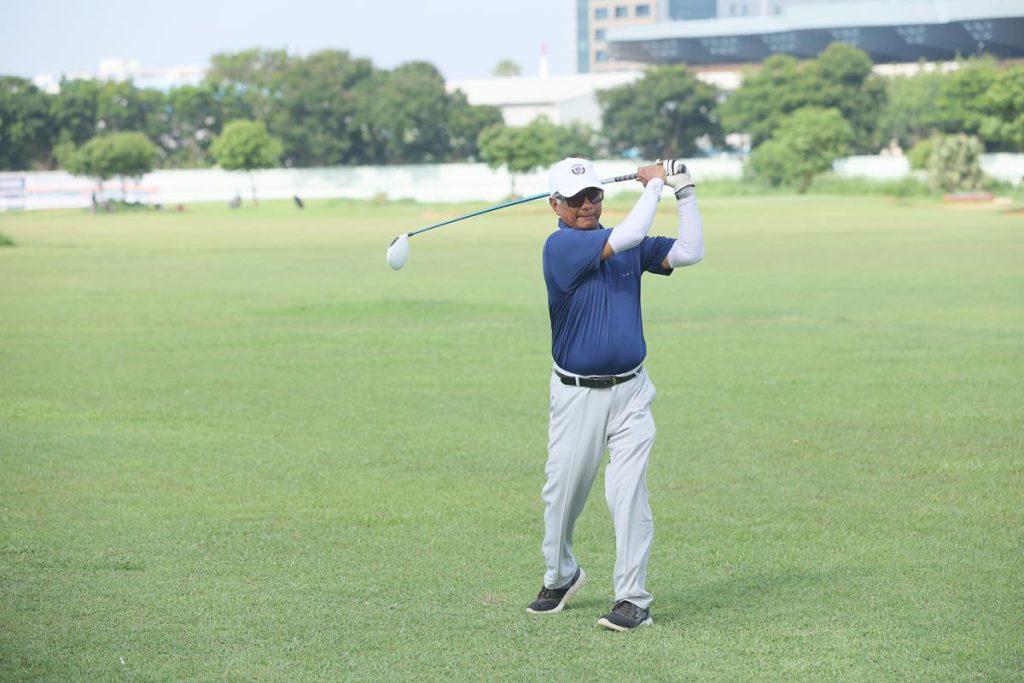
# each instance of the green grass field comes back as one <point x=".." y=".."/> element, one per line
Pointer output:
<point x="237" y="446"/>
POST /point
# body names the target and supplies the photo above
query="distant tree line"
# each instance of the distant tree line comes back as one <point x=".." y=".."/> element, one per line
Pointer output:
<point x="326" y="109"/>
<point x="329" y="109"/>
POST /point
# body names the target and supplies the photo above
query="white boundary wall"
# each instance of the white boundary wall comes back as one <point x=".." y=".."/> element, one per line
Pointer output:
<point x="424" y="183"/>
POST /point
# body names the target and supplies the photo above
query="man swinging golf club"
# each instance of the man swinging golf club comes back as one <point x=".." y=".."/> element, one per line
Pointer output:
<point x="600" y="393"/>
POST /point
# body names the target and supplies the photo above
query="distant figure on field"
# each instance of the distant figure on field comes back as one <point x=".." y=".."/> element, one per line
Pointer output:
<point x="236" y="201"/>
<point x="298" y="202"/>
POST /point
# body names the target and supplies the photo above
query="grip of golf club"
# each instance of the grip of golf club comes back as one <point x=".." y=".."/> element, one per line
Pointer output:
<point x="620" y="178"/>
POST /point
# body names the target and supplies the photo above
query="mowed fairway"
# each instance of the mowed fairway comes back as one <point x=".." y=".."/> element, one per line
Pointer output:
<point x="236" y="445"/>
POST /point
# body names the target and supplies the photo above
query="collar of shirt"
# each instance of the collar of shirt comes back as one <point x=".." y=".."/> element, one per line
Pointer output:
<point x="563" y="226"/>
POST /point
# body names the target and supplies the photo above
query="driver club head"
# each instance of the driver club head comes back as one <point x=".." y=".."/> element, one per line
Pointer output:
<point x="398" y="252"/>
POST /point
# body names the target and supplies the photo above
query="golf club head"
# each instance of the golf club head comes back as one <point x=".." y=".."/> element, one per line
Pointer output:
<point x="398" y="252"/>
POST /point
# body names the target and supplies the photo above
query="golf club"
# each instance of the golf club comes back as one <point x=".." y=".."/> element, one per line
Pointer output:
<point x="398" y="250"/>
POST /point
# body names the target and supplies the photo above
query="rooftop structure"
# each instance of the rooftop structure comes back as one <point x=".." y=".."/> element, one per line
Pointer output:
<point x="890" y="31"/>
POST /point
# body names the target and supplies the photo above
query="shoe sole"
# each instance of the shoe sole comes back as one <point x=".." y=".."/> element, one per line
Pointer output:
<point x="604" y="623"/>
<point x="569" y="595"/>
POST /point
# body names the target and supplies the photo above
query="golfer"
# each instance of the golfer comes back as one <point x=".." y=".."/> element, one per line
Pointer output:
<point x="600" y="393"/>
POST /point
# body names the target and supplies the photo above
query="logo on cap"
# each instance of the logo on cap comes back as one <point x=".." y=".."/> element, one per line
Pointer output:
<point x="578" y="169"/>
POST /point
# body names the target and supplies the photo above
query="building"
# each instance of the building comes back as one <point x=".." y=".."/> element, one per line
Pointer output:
<point x="128" y="70"/>
<point x="594" y="18"/>
<point x="714" y="33"/>
<point x="560" y="99"/>
<point x="890" y="31"/>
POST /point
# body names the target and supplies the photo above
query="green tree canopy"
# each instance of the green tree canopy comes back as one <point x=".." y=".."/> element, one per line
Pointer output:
<point x="909" y="103"/>
<point x="321" y="101"/>
<point x="663" y="114"/>
<point x="520" y="150"/>
<point x="465" y="123"/>
<point x="74" y="110"/>
<point x="505" y="68"/>
<point x="1003" y="109"/>
<point x="26" y="124"/>
<point x="196" y="117"/>
<point x="409" y="115"/>
<point x="805" y="143"/>
<point x="127" y="155"/>
<point x="246" y="146"/>
<point x="766" y="96"/>
<point x="959" y="106"/>
<point x="840" y="78"/>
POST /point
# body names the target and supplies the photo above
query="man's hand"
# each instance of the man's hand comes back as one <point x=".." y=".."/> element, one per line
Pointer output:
<point x="646" y="173"/>
<point x="678" y="177"/>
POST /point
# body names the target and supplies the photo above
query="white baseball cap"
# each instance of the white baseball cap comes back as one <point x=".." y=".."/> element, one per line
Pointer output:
<point x="571" y="176"/>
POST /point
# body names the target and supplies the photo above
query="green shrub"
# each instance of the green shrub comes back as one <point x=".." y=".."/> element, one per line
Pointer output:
<point x="6" y="241"/>
<point x="920" y="153"/>
<point x="955" y="163"/>
<point x="774" y="163"/>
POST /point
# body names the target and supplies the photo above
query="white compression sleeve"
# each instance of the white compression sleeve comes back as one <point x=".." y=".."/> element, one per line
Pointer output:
<point x="631" y="231"/>
<point x="689" y="246"/>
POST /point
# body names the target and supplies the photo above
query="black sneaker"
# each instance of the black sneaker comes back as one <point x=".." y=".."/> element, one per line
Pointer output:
<point x="551" y="600"/>
<point x="625" y="616"/>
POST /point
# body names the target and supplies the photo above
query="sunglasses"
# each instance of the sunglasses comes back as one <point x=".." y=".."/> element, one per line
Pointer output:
<point x="594" y="194"/>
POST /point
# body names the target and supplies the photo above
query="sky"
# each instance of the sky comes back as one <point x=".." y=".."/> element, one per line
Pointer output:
<point x="462" y="38"/>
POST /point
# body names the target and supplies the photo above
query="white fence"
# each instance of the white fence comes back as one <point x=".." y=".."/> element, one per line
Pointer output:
<point x="426" y="183"/>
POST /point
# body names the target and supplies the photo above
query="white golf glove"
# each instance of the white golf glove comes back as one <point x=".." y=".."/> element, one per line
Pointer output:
<point x="678" y="178"/>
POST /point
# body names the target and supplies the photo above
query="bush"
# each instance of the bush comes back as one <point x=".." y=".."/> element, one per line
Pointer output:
<point x="6" y="241"/>
<point x="955" y="163"/>
<point x="920" y="153"/>
<point x="774" y="163"/>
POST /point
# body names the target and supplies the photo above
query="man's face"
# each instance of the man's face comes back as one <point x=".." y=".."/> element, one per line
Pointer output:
<point x="581" y="211"/>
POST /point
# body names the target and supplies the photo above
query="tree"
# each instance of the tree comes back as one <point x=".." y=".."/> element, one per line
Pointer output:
<point x="409" y="111"/>
<point x="806" y="143"/>
<point x="132" y="155"/>
<point x="843" y="80"/>
<point x="255" y="78"/>
<point x="322" y="101"/>
<point x="26" y="126"/>
<point x="74" y="110"/>
<point x="505" y="68"/>
<point x="663" y="114"/>
<point x="1003" y="110"/>
<point x="840" y="78"/>
<point x="196" y="117"/>
<point x="575" y="140"/>
<point x="765" y="97"/>
<point x="246" y="146"/>
<point x="959" y="105"/>
<point x="909" y="102"/>
<point x="520" y="150"/>
<point x="126" y="155"/>
<point x="465" y="123"/>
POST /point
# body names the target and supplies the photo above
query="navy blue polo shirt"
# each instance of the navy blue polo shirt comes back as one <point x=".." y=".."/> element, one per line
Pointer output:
<point x="596" y="327"/>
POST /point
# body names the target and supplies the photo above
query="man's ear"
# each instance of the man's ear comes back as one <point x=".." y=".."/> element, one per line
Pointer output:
<point x="554" y="204"/>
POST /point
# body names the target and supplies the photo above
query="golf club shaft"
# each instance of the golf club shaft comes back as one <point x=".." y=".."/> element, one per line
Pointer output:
<point x="616" y="179"/>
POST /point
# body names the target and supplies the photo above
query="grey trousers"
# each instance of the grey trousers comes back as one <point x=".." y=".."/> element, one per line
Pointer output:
<point x="583" y="424"/>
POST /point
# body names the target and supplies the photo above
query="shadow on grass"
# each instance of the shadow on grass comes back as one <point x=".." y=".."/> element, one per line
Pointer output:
<point x="751" y="591"/>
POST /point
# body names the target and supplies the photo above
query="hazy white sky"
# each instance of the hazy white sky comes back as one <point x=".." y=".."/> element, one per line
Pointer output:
<point x="463" y="38"/>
